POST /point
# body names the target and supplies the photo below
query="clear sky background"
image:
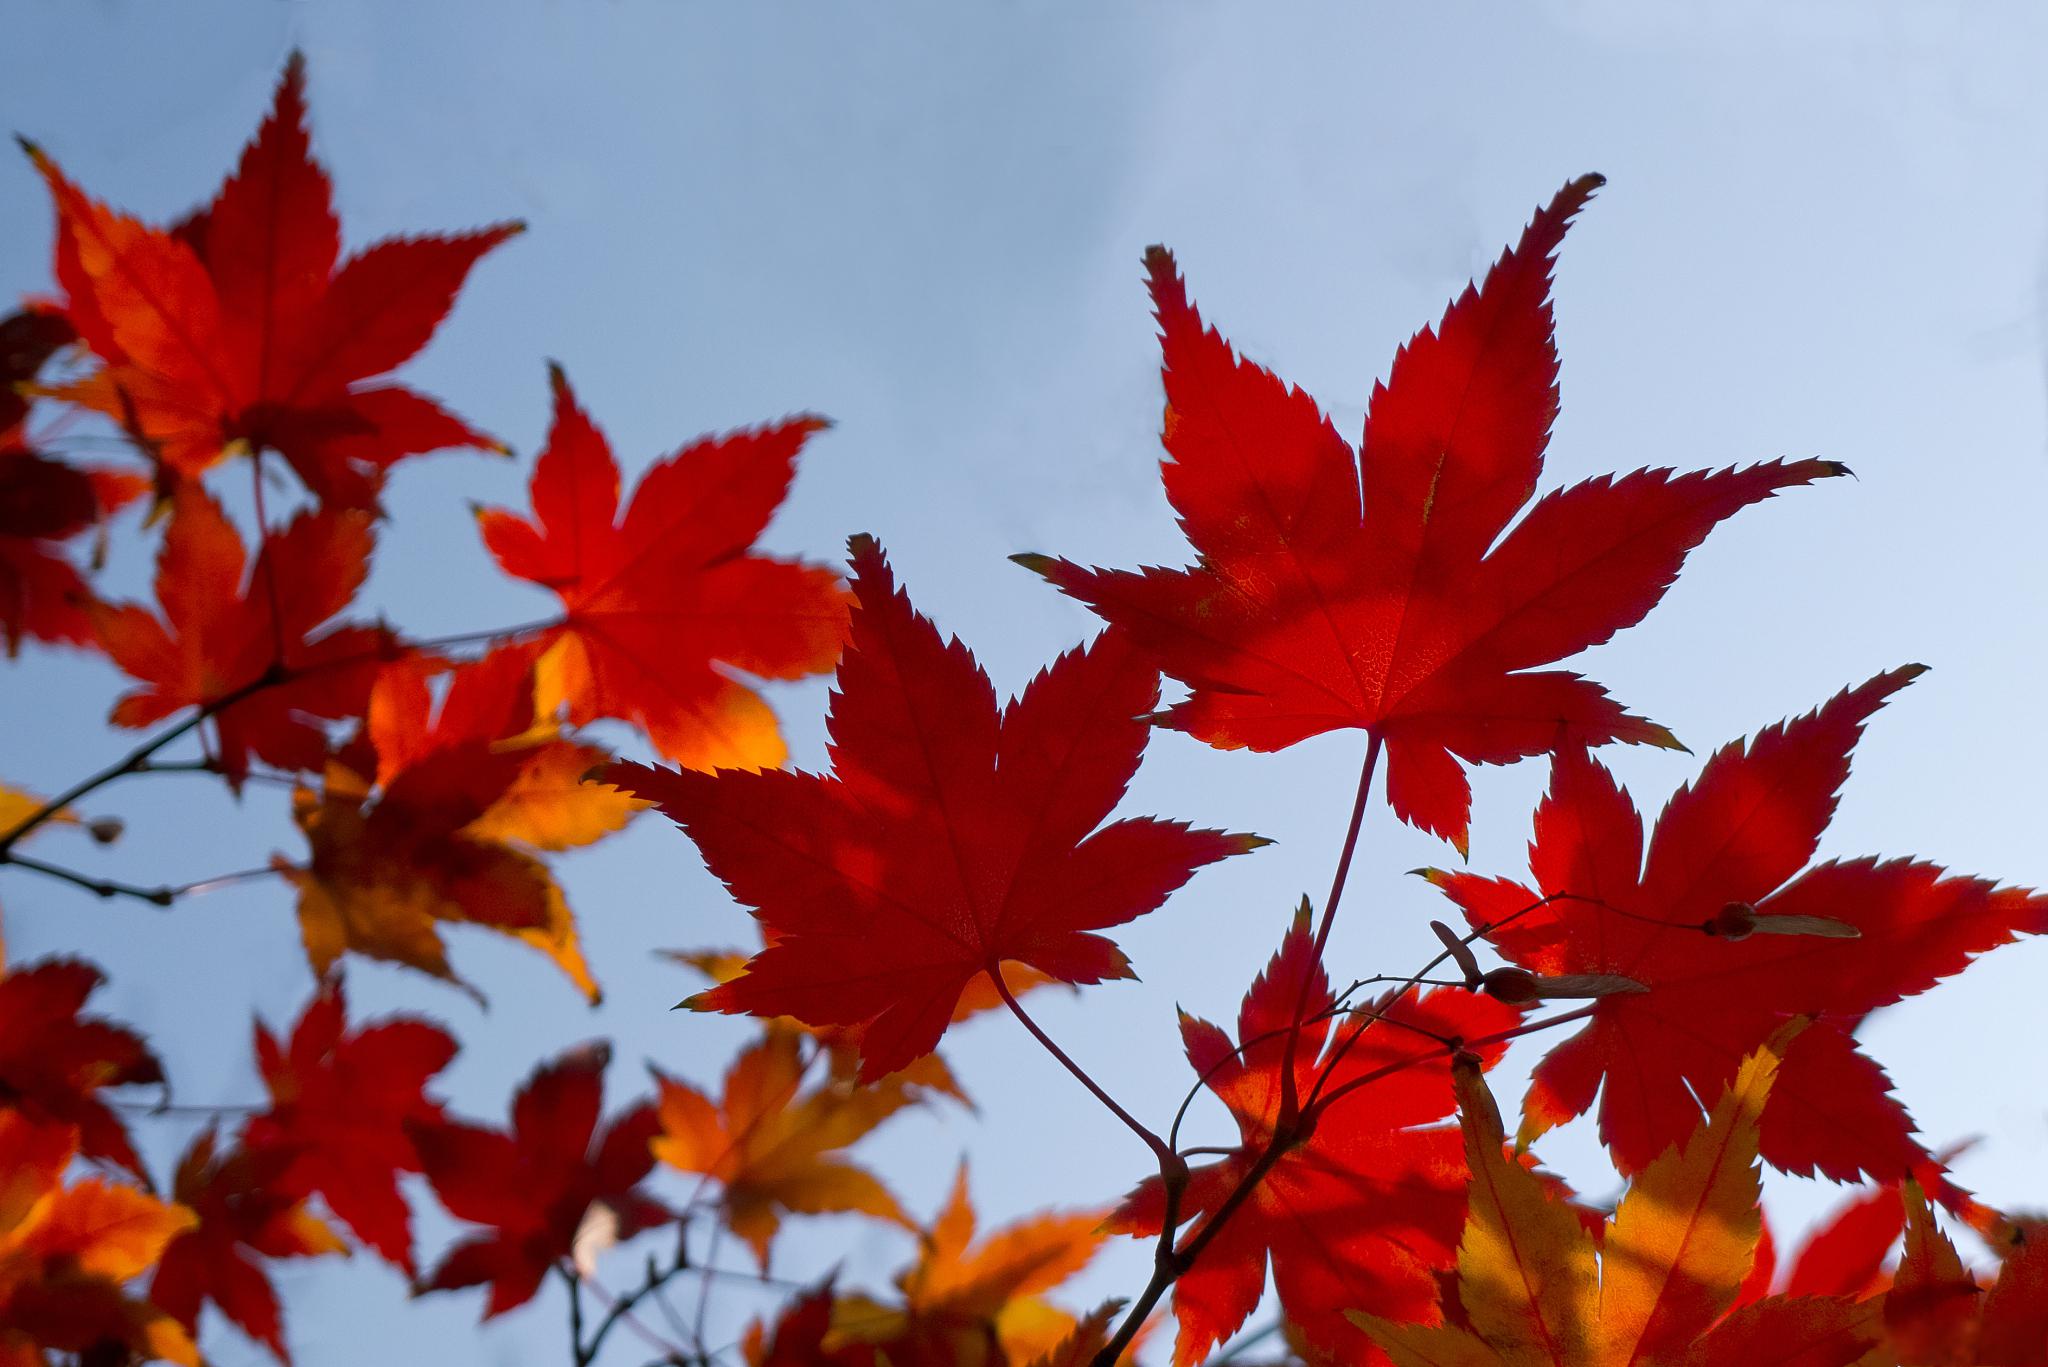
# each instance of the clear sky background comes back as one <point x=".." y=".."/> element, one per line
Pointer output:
<point x="1823" y="236"/>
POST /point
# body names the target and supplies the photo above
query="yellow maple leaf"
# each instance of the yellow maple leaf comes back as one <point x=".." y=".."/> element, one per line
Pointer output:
<point x="1534" y="1289"/>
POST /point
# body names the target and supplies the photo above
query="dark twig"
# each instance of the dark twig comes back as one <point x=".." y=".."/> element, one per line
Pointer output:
<point x="1160" y="1149"/>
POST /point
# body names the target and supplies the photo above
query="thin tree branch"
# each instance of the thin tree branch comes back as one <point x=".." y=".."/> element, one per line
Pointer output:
<point x="1290" y="1102"/>
<point x="1160" y="1149"/>
<point x="160" y="896"/>
<point x="135" y="758"/>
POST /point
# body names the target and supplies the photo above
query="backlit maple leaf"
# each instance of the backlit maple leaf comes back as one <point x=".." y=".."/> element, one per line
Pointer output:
<point x="1363" y="1212"/>
<point x="1938" y="1312"/>
<point x="243" y="1213"/>
<point x="665" y="604"/>
<point x="1377" y="589"/>
<point x="67" y="1251"/>
<point x="774" y="1148"/>
<point x="341" y="1101"/>
<point x="241" y="327"/>
<point x="436" y="818"/>
<point x="968" y="1302"/>
<point x="1534" y="1287"/>
<point x="253" y="641"/>
<point x="534" y="1184"/>
<point x="54" y="1062"/>
<point x="951" y="835"/>
<point x="1689" y="919"/>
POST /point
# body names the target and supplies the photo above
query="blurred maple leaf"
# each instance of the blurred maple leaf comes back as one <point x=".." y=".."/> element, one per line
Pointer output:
<point x="665" y="603"/>
<point x="1363" y="1210"/>
<point x="864" y="926"/>
<point x="1311" y="610"/>
<point x="341" y="1102"/>
<point x="797" y="1338"/>
<point x="1690" y="919"/>
<point x="54" y="1062"/>
<point x="251" y="641"/>
<point x="534" y="1185"/>
<point x="243" y="1213"/>
<point x="1937" y="1312"/>
<point x="1843" y="1254"/>
<point x="969" y="1303"/>
<point x="773" y="1147"/>
<point x="44" y="503"/>
<point x="66" y="1251"/>
<point x="240" y="327"/>
<point x="433" y="818"/>
<point x="1534" y="1286"/>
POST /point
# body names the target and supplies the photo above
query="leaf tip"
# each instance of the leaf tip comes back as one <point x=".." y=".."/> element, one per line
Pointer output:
<point x="1040" y="565"/>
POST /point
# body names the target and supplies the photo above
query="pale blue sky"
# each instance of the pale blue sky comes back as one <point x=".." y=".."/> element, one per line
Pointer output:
<point x="1823" y="236"/>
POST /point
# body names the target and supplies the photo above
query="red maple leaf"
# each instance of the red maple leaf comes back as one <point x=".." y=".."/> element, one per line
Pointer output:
<point x="664" y="605"/>
<point x="950" y="837"/>
<point x="1363" y="1213"/>
<point x="535" y="1185"/>
<point x="242" y="326"/>
<point x="244" y="1214"/>
<point x="249" y="639"/>
<point x="340" y="1105"/>
<point x="1340" y="590"/>
<point x="54" y="1062"/>
<point x="1689" y="918"/>
<point x="44" y="503"/>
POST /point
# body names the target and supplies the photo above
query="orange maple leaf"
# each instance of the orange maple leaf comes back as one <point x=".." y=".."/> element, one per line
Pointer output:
<point x="969" y="1303"/>
<point x="666" y="603"/>
<point x="67" y="1251"/>
<point x="773" y="1147"/>
<point x="438" y="818"/>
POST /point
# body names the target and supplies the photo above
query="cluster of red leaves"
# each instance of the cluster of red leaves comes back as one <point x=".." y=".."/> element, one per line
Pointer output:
<point x="442" y="784"/>
<point x="959" y="852"/>
<point x="1361" y="1212"/>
